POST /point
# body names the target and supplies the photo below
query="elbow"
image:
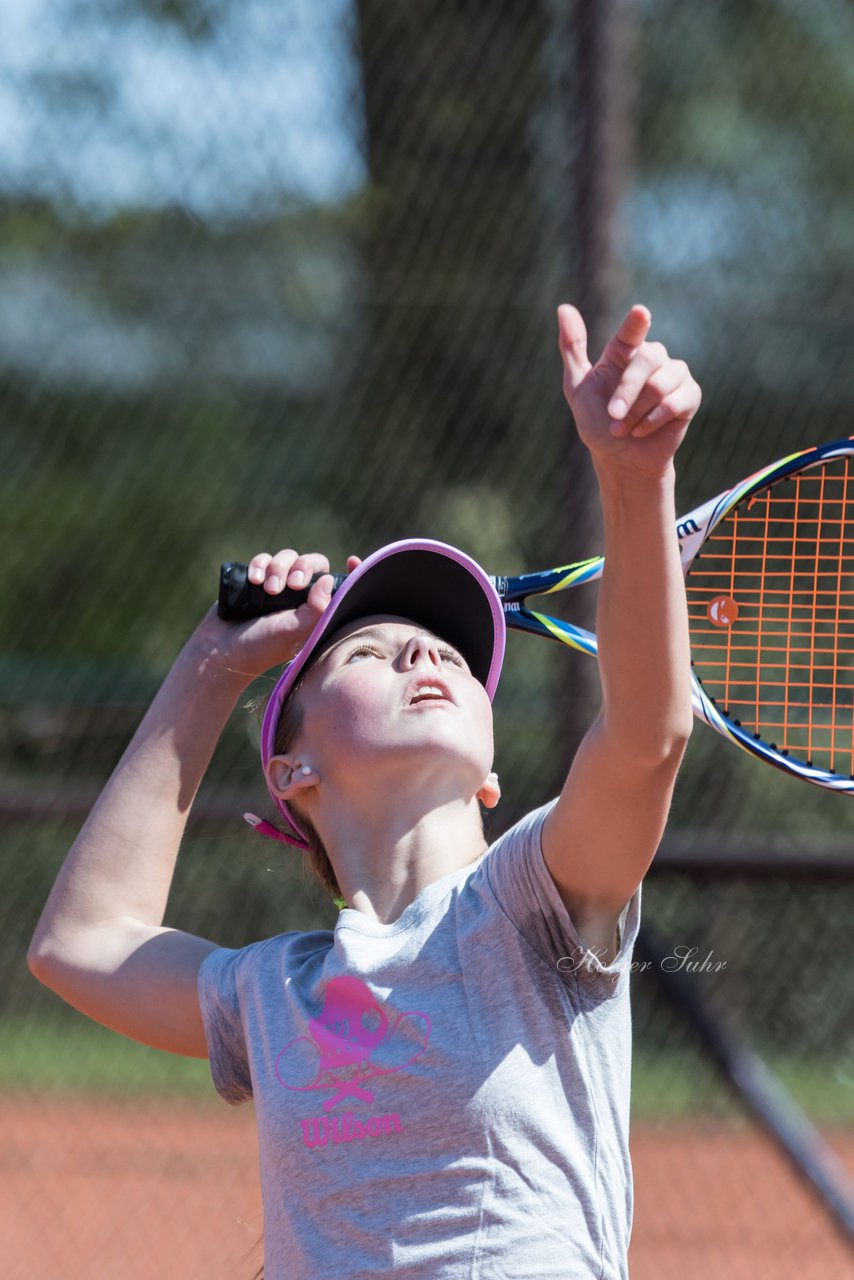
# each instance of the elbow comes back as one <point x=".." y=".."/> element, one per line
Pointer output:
<point x="37" y="966"/>
<point x="680" y="736"/>
<point x="670" y="737"/>
<point x="38" y="960"/>
<point x="44" y="959"/>
<point x="661" y="754"/>
<point x="658" y="746"/>
<point x="673" y="744"/>
<point x="53" y="970"/>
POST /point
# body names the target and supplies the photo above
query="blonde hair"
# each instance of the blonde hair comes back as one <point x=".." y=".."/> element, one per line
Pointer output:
<point x="315" y="859"/>
<point x="290" y="722"/>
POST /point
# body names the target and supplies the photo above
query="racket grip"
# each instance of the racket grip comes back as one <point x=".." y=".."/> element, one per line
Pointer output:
<point x="239" y="599"/>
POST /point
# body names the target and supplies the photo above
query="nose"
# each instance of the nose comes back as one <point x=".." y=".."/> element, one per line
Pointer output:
<point x="421" y="648"/>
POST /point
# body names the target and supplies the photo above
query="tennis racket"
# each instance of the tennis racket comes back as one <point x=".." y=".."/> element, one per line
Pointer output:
<point x="769" y="568"/>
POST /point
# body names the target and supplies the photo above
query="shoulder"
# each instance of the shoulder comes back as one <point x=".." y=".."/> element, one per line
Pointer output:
<point x="524" y="834"/>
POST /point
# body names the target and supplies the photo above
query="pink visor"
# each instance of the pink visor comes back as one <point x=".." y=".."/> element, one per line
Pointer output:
<point x="430" y="583"/>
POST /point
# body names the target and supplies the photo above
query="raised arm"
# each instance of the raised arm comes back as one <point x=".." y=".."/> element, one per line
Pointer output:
<point x="632" y="410"/>
<point x="100" y="942"/>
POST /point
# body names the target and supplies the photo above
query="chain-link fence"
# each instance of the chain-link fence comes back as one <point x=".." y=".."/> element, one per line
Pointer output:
<point x="285" y="274"/>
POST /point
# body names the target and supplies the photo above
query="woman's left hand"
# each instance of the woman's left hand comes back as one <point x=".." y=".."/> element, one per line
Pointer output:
<point x="632" y="408"/>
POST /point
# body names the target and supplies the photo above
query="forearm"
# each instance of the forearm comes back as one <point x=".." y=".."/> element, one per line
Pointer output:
<point x="642" y="622"/>
<point x="122" y="862"/>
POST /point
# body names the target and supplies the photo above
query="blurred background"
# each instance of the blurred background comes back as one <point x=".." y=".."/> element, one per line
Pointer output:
<point x="285" y="273"/>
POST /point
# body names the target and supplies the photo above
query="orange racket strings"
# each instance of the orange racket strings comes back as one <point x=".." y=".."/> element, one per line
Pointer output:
<point x="782" y="665"/>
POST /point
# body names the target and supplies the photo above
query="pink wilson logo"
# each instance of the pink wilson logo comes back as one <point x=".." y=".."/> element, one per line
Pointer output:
<point x="349" y="1046"/>
<point x="317" y="1131"/>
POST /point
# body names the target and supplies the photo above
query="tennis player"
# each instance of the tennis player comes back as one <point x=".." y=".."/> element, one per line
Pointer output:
<point x="441" y="1083"/>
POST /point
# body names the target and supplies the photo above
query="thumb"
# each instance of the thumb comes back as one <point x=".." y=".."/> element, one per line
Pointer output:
<point x="572" y="344"/>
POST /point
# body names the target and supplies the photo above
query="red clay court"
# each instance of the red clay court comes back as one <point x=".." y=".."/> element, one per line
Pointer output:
<point x="169" y="1191"/>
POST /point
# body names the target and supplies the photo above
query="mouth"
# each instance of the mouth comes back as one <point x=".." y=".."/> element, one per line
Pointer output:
<point x="428" y="690"/>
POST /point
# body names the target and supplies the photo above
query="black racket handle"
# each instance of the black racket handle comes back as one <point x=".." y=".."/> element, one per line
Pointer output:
<point x="240" y="599"/>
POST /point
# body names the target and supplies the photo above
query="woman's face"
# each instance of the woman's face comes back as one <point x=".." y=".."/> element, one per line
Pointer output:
<point x="385" y="692"/>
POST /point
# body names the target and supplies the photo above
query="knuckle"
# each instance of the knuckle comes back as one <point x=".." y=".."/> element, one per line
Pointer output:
<point x="283" y="559"/>
<point x="640" y="366"/>
<point x="670" y="404"/>
<point x="651" y="354"/>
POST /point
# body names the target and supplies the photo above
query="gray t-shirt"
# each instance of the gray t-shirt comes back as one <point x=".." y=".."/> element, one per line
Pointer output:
<point x="445" y="1097"/>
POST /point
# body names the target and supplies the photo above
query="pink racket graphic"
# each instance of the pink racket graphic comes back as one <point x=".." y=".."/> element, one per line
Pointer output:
<point x="352" y="1042"/>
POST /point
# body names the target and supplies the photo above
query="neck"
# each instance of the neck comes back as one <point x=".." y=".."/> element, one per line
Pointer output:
<point x="384" y="857"/>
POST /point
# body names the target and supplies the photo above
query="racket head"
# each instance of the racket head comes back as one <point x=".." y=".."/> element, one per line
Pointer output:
<point x="770" y="585"/>
<point x="801" y="725"/>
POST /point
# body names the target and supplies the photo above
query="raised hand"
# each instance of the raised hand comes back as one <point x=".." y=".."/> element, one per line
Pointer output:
<point x="248" y="649"/>
<point x="632" y="408"/>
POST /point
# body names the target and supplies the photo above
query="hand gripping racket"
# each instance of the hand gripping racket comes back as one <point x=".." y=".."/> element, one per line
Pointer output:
<point x="769" y="568"/>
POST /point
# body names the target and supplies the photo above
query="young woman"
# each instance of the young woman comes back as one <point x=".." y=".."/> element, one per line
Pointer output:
<point x="441" y="1082"/>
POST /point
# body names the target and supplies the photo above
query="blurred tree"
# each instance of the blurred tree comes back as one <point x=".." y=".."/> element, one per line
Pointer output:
<point x="740" y="227"/>
<point x="464" y="239"/>
<point x="461" y="258"/>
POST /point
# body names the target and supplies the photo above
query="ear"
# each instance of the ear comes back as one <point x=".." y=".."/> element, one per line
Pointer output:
<point x="287" y="776"/>
<point x="490" y="792"/>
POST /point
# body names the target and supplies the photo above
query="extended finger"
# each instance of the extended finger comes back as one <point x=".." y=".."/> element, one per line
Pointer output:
<point x="572" y="344"/>
<point x="678" y="406"/>
<point x="631" y="334"/>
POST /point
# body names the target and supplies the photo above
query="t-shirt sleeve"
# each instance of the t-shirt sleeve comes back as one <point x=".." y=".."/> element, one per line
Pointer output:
<point x="220" y="1005"/>
<point x="528" y="896"/>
